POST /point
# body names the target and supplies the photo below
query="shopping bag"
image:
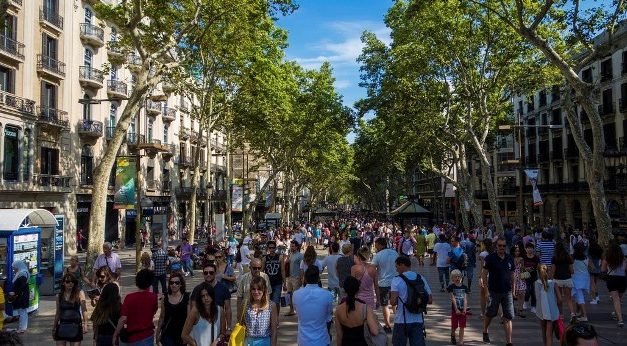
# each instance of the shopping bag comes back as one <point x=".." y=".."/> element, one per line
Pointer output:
<point x="238" y="335"/>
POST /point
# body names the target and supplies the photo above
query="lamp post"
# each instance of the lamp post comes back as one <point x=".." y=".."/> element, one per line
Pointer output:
<point x="521" y="161"/>
<point x="617" y="162"/>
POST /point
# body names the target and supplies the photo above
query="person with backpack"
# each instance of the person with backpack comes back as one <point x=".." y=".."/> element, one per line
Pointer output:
<point x="406" y="244"/>
<point x="410" y="294"/>
<point x="469" y="246"/>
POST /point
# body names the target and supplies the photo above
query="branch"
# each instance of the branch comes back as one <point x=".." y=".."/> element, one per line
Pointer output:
<point x="540" y="16"/>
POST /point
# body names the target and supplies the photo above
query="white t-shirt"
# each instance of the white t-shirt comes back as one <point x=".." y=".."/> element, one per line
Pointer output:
<point x="330" y="262"/>
<point x="442" y="249"/>
<point x="232" y="248"/>
<point x="399" y="285"/>
<point x="298" y="236"/>
<point x="245" y="252"/>
<point x="386" y="267"/>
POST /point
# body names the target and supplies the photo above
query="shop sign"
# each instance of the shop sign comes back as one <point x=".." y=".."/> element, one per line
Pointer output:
<point x="487" y="212"/>
<point x="83" y="210"/>
<point x="10" y="132"/>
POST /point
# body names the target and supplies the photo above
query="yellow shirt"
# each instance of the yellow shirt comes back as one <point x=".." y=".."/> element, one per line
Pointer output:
<point x="430" y="240"/>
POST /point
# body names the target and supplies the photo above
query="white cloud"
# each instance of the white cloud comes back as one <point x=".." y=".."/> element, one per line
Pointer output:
<point x="343" y="83"/>
<point x="344" y="50"/>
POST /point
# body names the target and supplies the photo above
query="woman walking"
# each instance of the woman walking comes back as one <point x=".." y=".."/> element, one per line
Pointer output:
<point x="261" y="316"/>
<point x="146" y="262"/>
<point x="70" y="318"/>
<point x="205" y="322"/>
<point x="547" y="304"/>
<point x="19" y="294"/>
<point x="520" y="283"/>
<point x="106" y="314"/>
<point x="225" y="271"/>
<point x="595" y="253"/>
<point x="103" y="277"/>
<point x="367" y="275"/>
<point x="77" y="271"/>
<point x="615" y="266"/>
<point x="309" y="259"/>
<point x="420" y="248"/>
<point x="562" y="272"/>
<point x="138" y="311"/>
<point x="173" y="312"/>
<point x="351" y="315"/>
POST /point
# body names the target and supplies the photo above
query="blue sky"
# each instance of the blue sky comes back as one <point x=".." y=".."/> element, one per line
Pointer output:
<point x="330" y="30"/>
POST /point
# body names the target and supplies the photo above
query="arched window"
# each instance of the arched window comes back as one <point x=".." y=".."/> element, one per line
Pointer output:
<point x="86" y="108"/>
<point x="87" y="165"/>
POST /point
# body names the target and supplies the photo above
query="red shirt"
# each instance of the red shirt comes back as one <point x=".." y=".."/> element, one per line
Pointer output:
<point x="139" y="309"/>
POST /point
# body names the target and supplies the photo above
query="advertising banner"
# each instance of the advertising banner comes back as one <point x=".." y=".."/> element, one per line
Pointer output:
<point x="125" y="197"/>
<point x="237" y="199"/>
<point x="532" y="174"/>
<point x="58" y="252"/>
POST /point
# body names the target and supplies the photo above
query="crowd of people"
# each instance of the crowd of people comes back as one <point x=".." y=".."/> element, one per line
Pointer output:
<point x="369" y="265"/>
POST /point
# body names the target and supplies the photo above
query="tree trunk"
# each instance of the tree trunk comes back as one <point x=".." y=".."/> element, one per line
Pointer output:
<point x="229" y="175"/>
<point x="103" y="170"/>
<point x="194" y="188"/>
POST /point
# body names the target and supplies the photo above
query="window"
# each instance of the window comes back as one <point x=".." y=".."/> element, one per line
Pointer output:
<point x="7" y="79"/>
<point x="165" y="133"/>
<point x="87" y="57"/>
<point x="113" y="112"/>
<point x="51" y="6"/>
<point x="606" y="70"/>
<point x="28" y="138"/>
<point x="48" y="96"/>
<point x="49" y="163"/>
<point x="11" y="153"/>
<point x="150" y="177"/>
<point x="49" y="46"/>
<point x="87" y="166"/>
<point x="114" y="34"/>
<point x="10" y="27"/>
<point x="88" y="15"/>
<point x="131" y="128"/>
<point x="134" y="79"/>
<point x="114" y="72"/>
<point x="86" y="108"/>
<point x="149" y="130"/>
<point x="586" y="75"/>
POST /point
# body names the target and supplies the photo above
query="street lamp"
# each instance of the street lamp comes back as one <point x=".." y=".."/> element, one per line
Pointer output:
<point x="521" y="160"/>
<point x="617" y="162"/>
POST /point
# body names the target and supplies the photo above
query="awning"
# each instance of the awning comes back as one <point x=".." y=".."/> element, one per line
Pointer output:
<point x="14" y="219"/>
<point x="410" y="208"/>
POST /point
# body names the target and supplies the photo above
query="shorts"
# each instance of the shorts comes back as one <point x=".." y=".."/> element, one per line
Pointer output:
<point x="384" y="296"/>
<point x="505" y="300"/>
<point x="616" y="283"/>
<point x="457" y="321"/>
<point x="292" y="284"/>
<point x="568" y="283"/>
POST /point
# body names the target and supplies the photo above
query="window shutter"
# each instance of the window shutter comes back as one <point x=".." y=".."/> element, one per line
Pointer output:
<point x="55" y="161"/>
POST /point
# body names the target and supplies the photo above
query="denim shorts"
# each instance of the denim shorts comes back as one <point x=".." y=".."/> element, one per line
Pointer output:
<point x="505" y="300"/>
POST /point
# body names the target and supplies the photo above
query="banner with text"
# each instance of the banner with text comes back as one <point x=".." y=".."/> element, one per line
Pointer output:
<point x="532" y="174"/>
<point x="237" y="198"/>
<point x="125" y="171"/>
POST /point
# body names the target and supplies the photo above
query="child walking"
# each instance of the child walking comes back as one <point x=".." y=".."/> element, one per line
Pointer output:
<point x="459" y="296"/>
<point x="546" y="304"/>
<point x="581" y="280"/>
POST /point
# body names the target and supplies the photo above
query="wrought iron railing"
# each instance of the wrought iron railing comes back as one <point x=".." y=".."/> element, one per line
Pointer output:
<point x="52" y="116"/>
<point x="91" y="30"/>
<point x="91" y="127"/>
<point x="115" y="86"/>
<point x="50" y="64"/>
<point x="90" y="73"/>
<point x="12" y="47"/>
<point x="51" y="16"/>
<point x="16" y="102"/>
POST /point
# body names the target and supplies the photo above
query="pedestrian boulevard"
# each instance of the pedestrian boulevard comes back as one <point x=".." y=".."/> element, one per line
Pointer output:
<point x="526" y="330"/>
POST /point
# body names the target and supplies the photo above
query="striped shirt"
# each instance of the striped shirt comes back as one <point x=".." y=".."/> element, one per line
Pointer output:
<point x="546" y="249"/>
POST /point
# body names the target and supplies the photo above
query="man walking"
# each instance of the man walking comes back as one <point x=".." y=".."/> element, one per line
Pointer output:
<point x="160" y="259"/>
<point x="274" y="268"/>
<point x="293" y="281"/>
<point x="314" y="307"/>
<point x="407" y="325"/>
<point x="243" y="285"/>
<point x="186" y="257"/>
<point x="500" y="267"/>
<point x="384" y="260"/>
<point x="442" y="250"/>
<point x="110" y="259"/>
<point x="343" y="266"/>
<point x="470" y="249"/>
<point x="330" y="262"/>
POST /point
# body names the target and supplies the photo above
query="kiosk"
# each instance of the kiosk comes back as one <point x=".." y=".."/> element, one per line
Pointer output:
<point x="30" y="235"/>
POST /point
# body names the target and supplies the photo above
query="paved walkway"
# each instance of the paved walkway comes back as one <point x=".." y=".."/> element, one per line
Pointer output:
<point x="438" y="326"/>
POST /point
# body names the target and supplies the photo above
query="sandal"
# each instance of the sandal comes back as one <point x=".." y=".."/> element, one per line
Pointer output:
<point x="453" y="340"/>
<point x="620" y="324"/>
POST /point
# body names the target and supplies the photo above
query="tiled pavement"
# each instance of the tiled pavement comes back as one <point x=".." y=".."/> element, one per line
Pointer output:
<point x="526" y="331"/>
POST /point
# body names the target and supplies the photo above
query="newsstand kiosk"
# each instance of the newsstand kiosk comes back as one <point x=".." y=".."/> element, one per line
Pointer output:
<point x="21" y="239"/>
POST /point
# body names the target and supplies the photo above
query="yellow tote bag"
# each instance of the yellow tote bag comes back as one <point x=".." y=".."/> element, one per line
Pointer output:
<point x="238" y="334"/>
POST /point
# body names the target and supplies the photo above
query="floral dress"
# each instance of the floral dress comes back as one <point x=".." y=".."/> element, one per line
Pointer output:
<point x="521" y="285"/>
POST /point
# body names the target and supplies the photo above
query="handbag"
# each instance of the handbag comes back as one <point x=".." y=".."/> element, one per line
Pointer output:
<point x="559" y="328"/>
<point x="381" y="339"/>
<point x="68" y="330"/>
<point x="238" y="334"/>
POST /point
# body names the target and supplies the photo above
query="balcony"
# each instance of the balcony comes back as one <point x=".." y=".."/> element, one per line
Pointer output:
<point x="153" y="146"/>
<point x="167" y="155"/>
<point x="151" y="185"/>
<point x="15" y="4"/>
<point x="20" y="104"/>
<point x="117" y="90"/>
<point x="53" y="182"/>
<point x="51" y="19"/>
<point x="184" y="107"/>
<point x="169" y="114"/>
<point x="52" y="118"/>
<point x="133" y="140"/>
<point x="114" y="51"/>
<point x="90" y="129"/>
<point x="153" y="107"/>
<point x="606" y="110"/>
<point x="507" y="191"/>
<point x="11" y="48"/>
<point x="134" y="62"/>
<point x="193" y="136"/>
<point x="50" y="66"/>
<point x="91" y="34"/>
<point x="184" y="161"/>
<point x="90" y="77"/>
<point x="184" y="133"/>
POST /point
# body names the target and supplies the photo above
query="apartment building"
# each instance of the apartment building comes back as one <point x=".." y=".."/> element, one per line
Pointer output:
<point x="548" y="145"/>
<point x="58" y="110"/>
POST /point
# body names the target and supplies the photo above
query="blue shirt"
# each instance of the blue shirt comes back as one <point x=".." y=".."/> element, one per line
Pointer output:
<point x="384" y="261"/>
<point x="314" y="307"/>
<point x="398" y="285"/>
<point x="455" y="254"/>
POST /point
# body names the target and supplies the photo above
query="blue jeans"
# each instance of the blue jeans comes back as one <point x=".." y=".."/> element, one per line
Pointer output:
<point x="443" y="275"/>
<point x="275" y="296"/>
<point x="149" y="341"/>
<point x="414" y="332"/>
<point x="258" y="341"/>
<point x="155" y="284"/>
<point x="188" y="266"/>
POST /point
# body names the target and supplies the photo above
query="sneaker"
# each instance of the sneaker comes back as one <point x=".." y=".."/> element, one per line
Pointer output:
<point x="533" y="310"/>
<point x="525" y="306"/>
<point x="486" y="337"/>
<point x="594" y="302"/>
<point x="614" y="316"/>
<point x="582" y="319"/>
<point x="620" y="324"/>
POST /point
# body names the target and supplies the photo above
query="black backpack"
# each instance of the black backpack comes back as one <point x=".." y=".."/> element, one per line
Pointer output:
<point x="417" y="296"/>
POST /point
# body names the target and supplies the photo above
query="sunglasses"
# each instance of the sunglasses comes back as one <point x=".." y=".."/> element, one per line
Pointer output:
<point x="178" y="283"/>
<point x="500" y="245"/>
<point x="255" y="268"/>
<point x="218" y="256"/>
<point x="208" y="273"/>
<point x="69" y="282"/>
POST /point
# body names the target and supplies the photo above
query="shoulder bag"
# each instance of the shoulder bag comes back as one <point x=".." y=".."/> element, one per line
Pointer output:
<point x="238" y="334"/>
<point x="381" y="339"/>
